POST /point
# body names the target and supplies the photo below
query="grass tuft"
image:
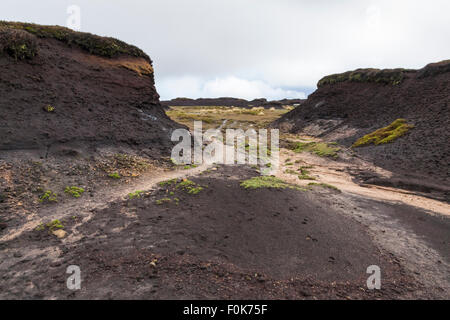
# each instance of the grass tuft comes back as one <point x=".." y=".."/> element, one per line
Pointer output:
<point x="52" y="226"/>
<point x="48" y="196"/>
<point x="186" y="185"/>
<point x="304" y="173"/>
<point x="137" y="194"/>
<point x="114" y="175"/>
<point x="190" y="186"/>
<point x="75" y="192"/>
<point x="163" y="200"/>
<point x="167" y="182"/>
<point x="55" y="224"/>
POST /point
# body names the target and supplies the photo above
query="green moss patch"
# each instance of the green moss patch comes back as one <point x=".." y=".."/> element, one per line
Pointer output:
<point x="51" y="226"/>
<point x="55" y="224"/>
<point x="135" y="195"/>
<point x="267" y="182"/>
<point x="385" y="135"/>
<point x="190" y="186"/>
<point x="48" y="196"/>
<point x="40" y="227"/>
<point x="174" y="186"/>
<point x="75" y="192"/>
<point x="304" y="173"/>
<point x="163" y="200"/>
<point x="167" y="182"/>
<point x="322" y="149"/>
<point x="192" y="166"/>
<point x="114" y="175"/>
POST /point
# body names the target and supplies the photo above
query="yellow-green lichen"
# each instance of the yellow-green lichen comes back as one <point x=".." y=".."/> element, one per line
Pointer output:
<point x="384" y="135"/>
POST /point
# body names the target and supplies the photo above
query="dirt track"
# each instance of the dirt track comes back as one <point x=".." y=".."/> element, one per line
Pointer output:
<point x="227" y="242"/>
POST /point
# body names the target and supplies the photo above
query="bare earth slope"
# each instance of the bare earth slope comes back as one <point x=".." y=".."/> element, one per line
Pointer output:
<point x="76" y="110"/>
<point x="224" y="242"/>
<point x="60" y="87"/>
<point x="347" y="106"/>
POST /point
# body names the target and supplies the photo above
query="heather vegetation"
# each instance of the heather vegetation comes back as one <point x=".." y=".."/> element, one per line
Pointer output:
<point x="101" y="46"/>
<point x="386" y="76"/>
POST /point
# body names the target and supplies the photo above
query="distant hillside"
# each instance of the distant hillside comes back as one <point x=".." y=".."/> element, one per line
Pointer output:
<point x="347" y="106"/>
<point x="231" y="102"/>
<point x="60" y="87"/>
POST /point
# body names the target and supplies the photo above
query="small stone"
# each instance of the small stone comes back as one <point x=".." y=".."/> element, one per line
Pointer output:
<point x="153" y="263"/>
<point x="55" y="264"/>
<point x="59" y="233"/>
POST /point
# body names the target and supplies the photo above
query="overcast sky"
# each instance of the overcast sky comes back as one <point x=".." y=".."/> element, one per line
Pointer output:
<point x="258" y="48"/>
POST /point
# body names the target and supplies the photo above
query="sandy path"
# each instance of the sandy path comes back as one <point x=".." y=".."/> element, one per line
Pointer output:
<point x="335" y="172"/>
<point x="102" y="199"/>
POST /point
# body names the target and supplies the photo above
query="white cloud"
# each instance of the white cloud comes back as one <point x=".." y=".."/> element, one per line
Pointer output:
<point x="192" y="87"/>
<point x="281" y="44"/>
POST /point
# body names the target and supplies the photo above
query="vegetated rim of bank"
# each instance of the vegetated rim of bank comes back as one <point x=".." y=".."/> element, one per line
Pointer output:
<point x="385" y="76"/>
<point x="96" y="45"/>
